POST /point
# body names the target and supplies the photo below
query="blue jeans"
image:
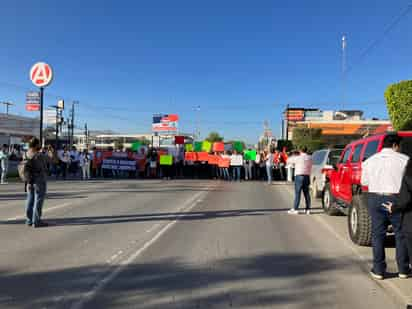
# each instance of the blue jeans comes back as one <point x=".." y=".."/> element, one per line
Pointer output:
<point x="302" y="183"/>
<point x="34" y="204"/>
<point x="236" y="173"/>
<point x="381" y="219"/>
<point x="225" y="172"/>
<point x="269" y="173"/>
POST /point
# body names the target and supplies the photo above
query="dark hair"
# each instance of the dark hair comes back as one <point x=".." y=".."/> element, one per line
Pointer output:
<point x="34" y="143"/>
<point x="391" y="140"/>
<point x="304" y="149"/>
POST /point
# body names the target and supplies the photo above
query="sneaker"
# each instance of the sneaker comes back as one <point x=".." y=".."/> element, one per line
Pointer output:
<point x="307" y="211"/>
<point x="29" y="223"/>
<point x="403" y="276"/>
<point x="376" y="276"/>
<point x="293" y="212"/>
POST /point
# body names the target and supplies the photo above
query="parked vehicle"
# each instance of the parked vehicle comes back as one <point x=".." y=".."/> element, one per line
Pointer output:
<point x="322" y="160"/>
<point x="343" y="192"/>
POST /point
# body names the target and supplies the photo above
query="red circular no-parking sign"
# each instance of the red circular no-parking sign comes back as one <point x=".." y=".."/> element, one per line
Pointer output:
<point x="41" y="74"/>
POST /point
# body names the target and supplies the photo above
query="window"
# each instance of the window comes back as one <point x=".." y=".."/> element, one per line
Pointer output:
<point x="346" y="155"/>
<point x="371" y="149"/>
<point x="318" y="157"/>
<point x="357" y="153"/>
<point x="334" y="157"/>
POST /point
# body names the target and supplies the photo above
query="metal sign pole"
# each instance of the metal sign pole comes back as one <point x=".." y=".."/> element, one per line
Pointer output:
<point x="41" y="116"/>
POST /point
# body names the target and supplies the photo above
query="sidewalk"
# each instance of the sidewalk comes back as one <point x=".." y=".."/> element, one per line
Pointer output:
<point x="401" y="289"/>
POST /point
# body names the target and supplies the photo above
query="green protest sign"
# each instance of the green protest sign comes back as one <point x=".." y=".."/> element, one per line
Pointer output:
<point x="189" y="147"/>
<point x="136" y="145"/>
<point x="238" y="146"/>
<point x="198" y="146"/>
<point x="250" y="155"/>
<point x="206" y="146"/>
<point x="166" y="160"/>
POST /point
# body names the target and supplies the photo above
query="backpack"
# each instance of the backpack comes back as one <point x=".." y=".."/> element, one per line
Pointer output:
<point x="25" y="170"/>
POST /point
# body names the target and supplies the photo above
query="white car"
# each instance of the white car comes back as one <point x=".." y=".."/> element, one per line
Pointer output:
<point x="322" y="160"/>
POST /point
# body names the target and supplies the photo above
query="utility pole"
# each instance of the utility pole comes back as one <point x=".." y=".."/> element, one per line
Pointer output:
<point x="7" y="105"/>
<point x="287" y="121"/>
<point x="86" y="134"/>
<point x="71" y="124"/>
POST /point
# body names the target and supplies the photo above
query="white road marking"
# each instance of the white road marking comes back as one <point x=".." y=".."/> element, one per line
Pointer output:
<point x="86" y="297"/>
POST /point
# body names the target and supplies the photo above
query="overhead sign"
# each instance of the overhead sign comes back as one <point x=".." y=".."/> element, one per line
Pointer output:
<point x="41" y="74"/>
<point x="33" y="101"/>
<point x="165" y="123"/>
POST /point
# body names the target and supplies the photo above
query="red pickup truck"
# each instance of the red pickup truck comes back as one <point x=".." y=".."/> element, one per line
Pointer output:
<point x="343" y="191"/>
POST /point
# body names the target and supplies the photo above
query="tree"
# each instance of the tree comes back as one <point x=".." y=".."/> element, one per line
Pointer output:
<point x="399" y="102"/>
<point x="214" y="137"/>
<point x="310" y="138"/>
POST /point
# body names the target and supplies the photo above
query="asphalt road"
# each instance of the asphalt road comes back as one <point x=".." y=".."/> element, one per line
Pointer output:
<point x="182" y="244"/>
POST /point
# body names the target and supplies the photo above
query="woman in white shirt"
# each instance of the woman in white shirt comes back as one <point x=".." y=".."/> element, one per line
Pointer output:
<point x="85" y="159"/>
<point x="236" y="162"/>
<point x="269" y="165"/>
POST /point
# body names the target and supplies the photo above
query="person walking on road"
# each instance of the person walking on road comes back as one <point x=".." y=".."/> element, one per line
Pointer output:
<point x="403" y="205"/>
<point x="303" y="168"/>
<point x="383" y="173"/>
<point x="36" y="171"/>
<point x="4" y="163"/>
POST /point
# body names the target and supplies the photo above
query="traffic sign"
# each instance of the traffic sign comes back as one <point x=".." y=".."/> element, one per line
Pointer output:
<point x="41" y="74"/>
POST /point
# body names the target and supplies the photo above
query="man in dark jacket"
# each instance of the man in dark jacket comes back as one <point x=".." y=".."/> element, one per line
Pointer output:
<point x="37" y="183"/>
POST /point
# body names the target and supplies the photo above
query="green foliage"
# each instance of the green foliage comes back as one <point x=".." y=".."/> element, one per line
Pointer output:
<point x="307" y="137"/>
<point x="214" y="137"/>
<point x="399" y="102"/>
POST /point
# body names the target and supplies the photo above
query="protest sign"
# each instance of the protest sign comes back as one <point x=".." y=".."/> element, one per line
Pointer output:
<point x="218" y="147"/>
<point x="198" y="146"/>
<point x="206" y="146"/>
<point x="203" y="156"/>
<point x="136" y="145"/>
<point x="166" y="160"/>
<point x="238" y="146"/>
<point x="250" y="155"/>
<point x="191" y="156"/>
<point x="224" y="162"/>
<point x="189" y="147"/>
<point x="213" y="160"/>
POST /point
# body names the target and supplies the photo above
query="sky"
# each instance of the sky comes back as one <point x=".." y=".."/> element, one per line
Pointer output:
<point x="240" y="61"/>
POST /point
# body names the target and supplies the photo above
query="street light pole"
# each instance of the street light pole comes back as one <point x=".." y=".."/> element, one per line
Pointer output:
<point x="7" y="105"/>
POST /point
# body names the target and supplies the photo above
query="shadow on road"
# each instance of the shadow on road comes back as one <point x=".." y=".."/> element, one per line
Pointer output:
<point x="167" y="216"/>
<point x="261" y="280"/>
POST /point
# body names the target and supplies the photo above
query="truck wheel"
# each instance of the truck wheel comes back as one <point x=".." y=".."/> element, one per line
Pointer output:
<point x="359" y="221"/>
<point x="314" y="190"/>
<point x="328" y="201"/>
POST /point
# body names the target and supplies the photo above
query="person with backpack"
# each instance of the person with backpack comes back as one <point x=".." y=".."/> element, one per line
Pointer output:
<point x="33" y="171"/>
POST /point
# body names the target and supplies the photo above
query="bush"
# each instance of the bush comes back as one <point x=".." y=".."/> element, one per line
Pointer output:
<point x="399" y="102"/>
<point x="307" y="137"/>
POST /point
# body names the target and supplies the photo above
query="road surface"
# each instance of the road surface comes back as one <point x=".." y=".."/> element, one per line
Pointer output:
<point x="181" y="244"/>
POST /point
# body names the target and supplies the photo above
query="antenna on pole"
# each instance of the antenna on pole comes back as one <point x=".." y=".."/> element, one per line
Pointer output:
<point x="7" y="106"/>
<point x="344" y="69"/>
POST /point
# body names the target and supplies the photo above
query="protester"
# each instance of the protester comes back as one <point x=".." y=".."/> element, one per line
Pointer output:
<point x="236" y="162"/>
<point x="303" y="168"/>
<point x="4" y="163"/>
<point x="403" y="205"/>
<point x="225" y="170"/>
<point x="383" y="173"/>
<point x="36" y="173"/>
<point x="248" y="166"/>
<point x="269" y="160"/>
<point x="64" y="161"/>
<point x="152" y="158"/>
<point x="85" y="159"/>
<point x="74" y="161"/>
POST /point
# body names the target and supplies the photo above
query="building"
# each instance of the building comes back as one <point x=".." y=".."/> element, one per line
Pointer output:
<point x="338" y="127"/>
<point x="17" y="129"/>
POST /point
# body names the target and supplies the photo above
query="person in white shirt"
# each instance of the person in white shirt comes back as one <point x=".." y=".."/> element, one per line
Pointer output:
<point x="236" y="162"/>
<point x="64" y="158"/>
<point x="383" y="173"/>
<point x="85" y="159"/>
<point x="303" y="168"/>
<point x="4" y="163"/>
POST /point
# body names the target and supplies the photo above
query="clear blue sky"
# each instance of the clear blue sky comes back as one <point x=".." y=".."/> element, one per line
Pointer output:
<point x="241" y="61"/>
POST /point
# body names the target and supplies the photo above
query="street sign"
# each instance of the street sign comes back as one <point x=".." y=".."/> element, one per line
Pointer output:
<point x="33" y="101"/>
<point x="60" y="104"/>
<point x="41" y="74"/>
